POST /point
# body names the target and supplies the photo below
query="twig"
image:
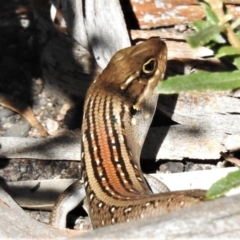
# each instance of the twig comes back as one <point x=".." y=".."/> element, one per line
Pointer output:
<point x="231" y="159"/>
<point x="217" y="7"/>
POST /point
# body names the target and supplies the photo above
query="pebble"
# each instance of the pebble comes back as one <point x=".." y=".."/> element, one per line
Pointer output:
<point x="5" y="112"/>
<point x="195" y="167"/>
<point x="83" y="223"/>
<point x="19" y="129"/>
<point x="42" y="102"/>
<point x="172" y="167"/>
<point x="11" y="119"/>
<point x="52" y="126"/>
<point x="39" y="81"/>
<point x="65" y="108"/>
<point x="41" y="216"/>
<point x="7" y="125"/>
<point x="60" y="117"/>
<point x="181" y="27"/>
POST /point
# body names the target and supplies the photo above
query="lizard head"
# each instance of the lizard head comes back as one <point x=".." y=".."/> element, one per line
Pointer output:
<point x="135" y="71"/>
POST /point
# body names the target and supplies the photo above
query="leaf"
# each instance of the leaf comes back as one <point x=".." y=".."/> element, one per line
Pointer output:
<point x="219" y="188"/>
<point x="200" y="25"/>
<point x="238" y="35"/>
<point x="210" y="14"/>
<point x="201" y="81"/>
<point x="204" y="36"/>
<point x="219" y="39"/>
<point x="227" y="51"/>
<point x="236" y="62"/>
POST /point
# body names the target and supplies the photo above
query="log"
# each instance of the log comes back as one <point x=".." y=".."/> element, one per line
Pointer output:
<point x="71" y="59"/>
<point x="203" y="129"/>
<point x="208" y="124"/>
<point x="42" y="194"/>
<point x="217" y="219"/>
<point x="16" y="223"/>
<point x="62" y="147"/>
<point x="161" y="13"/>
<point x="176" y="44"/>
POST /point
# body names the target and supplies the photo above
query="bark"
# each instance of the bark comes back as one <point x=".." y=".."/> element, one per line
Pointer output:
<point x="162" y="13"/>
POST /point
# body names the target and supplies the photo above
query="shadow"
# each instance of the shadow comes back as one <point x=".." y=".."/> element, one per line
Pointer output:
<point x="37" y="192"/>
<point x="166" y="106"/>
<point x="74" y="215"/>
<point x="67" y="67"/>
<point x="4" y="162"/>
<point x="160" y="120"/>
<point x="19" y="58"/>
<point x="28" y="53"/>
<point x="129" y="15"/>
<point x="46" y="148"/>
<point x="22" y="195"/>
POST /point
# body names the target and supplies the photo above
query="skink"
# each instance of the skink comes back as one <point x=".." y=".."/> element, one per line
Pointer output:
<point x="118" y="111"/>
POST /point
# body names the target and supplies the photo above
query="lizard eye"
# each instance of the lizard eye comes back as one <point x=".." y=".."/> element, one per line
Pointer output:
<point x="149" y="67"/>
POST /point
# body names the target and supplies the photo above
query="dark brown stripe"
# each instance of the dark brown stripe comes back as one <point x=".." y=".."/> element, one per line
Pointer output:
<point x="122" y="161"/>
<point x="92" y="129"/>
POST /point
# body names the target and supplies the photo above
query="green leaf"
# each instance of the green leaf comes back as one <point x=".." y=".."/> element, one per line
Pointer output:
<point x="201" y="81"/>
<point x="204" y="36"/>
<point x="227" y="51"/>
<point x="210" y="14"/>
<point x="236" y="62"/>
<point x="219" y="188"/>
<point x="238" y="35"/>
<point x="219" y="39"/>
<point x="200" y="25"/>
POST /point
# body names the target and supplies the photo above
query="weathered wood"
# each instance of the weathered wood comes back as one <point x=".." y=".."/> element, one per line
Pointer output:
<point x="93" y="35"/>
<point x="218" y="219"/>
<point x="105" y="40"/>
<point x="15" y="223"/>
<point x="68" y="65"/>
<point x="176" y="44"/>
<point x="222" y="221"/>
<point x="157" y="13"/>
<point x="62" y="147"/>
<point x="202" y="133"/>
<point x="42" y="194"/>
<point x="209" y="124"/>
<point x="37" y="194"/>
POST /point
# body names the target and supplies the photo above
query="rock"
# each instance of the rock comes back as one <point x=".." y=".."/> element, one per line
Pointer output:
<point x="52" y="126"/>
<point x="172" y="167"/>
<point x="19" y="129"/>
<point x="5" y="112"/>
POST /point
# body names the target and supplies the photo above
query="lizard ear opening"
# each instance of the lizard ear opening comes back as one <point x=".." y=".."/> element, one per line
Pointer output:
<point x="149" y="67"/>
